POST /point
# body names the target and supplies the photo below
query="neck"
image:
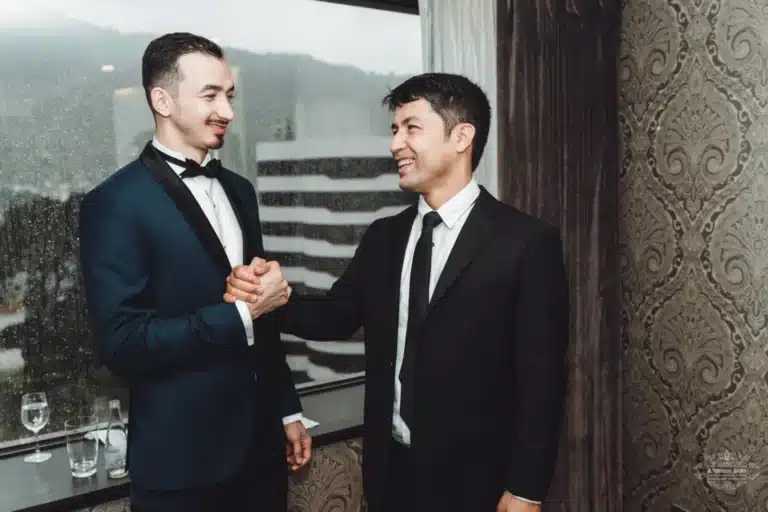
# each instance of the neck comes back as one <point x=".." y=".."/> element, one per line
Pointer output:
<point x="443" y="192"/>
<point x="172" y="140"/>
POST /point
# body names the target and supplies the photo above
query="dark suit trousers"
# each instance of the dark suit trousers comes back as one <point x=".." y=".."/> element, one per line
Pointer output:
<point x="409" y="491"/>
<point x="261" y="485"/>
<point x="402" y="486"/>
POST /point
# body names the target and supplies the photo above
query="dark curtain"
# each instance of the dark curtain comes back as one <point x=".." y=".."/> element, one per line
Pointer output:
<point x="558" y="150"/>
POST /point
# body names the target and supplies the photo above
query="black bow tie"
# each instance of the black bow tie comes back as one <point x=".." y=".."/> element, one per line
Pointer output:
<point x="210" y="170"/>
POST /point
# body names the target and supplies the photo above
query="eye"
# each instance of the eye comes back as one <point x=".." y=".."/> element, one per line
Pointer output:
<point x="209" y="97"/>
<point x="413" y="127"/>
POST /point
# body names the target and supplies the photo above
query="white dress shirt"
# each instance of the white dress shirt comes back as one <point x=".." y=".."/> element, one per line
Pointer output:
<point x="215" y="204"/>
<point x="454" y="214"/>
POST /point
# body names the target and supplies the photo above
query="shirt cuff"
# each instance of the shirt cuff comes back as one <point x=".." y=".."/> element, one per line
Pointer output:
<point x="527" y="500"/>
<point x="245" y="316"/>
<point x="292" y="418"/>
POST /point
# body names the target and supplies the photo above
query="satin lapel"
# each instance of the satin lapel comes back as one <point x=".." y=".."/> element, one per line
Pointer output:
<point x="187" y="205"/>
<point x="475" y="232"/>
<point x="232" y="189"/>
<point x="400" y="231"/>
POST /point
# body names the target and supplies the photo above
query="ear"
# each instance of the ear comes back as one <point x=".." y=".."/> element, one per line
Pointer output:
<point x="465" y="134"/>
<point x="161" y="101"/>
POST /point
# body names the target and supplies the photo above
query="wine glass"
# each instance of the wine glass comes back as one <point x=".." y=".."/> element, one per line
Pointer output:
<point x="34" y="416"/>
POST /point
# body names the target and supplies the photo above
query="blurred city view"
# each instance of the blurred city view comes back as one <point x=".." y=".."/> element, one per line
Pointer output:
<point x="310" y="134"/>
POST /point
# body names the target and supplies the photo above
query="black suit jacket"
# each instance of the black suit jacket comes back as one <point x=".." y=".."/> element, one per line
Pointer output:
<point x="154" y="274"/>
<point x="490" y="376"/>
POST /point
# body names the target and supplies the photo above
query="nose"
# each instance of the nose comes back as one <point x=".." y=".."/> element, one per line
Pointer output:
<point x="225" y="110"/>
<point x="397" y="144"/>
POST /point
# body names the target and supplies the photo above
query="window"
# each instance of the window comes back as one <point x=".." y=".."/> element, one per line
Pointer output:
<point x="311" y="135"/>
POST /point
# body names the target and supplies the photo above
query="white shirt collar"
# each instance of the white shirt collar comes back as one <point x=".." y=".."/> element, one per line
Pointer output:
<point x="176" y="154"/>
<point x="455" y="207"/>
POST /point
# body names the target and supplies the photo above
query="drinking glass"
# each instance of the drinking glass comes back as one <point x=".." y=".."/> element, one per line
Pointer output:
<point x="82" y="445"/>
<point x="35" y="413"/>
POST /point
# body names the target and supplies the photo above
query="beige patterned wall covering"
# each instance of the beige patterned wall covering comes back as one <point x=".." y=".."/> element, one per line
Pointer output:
<point x="332" y="482"/>
<point x="694" y="253"/>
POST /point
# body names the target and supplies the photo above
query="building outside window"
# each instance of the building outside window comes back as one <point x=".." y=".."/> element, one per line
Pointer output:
<point x="310" y="134"/>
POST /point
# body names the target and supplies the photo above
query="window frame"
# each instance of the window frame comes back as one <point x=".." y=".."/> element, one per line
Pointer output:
<point x="403" y="6"/>
<point x="57" y="439"/>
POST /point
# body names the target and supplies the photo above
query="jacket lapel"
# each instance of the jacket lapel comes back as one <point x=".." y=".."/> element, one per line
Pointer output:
<point x="401" y="230"/>
<point x="475" y="232"/>
<point x="186" y="204"/>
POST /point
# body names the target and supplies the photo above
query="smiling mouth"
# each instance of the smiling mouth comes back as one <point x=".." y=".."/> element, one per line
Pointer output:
<point x="404" y="163"/>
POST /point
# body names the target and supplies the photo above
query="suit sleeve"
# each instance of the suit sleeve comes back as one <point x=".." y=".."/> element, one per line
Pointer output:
<point x="337" y="314"/>
<point x="132" y="338"/>
<point x="265" y="332"/>
<point x="269" y="349"/>
<point x="289" y="403"/>
<point x="540" y="344"/>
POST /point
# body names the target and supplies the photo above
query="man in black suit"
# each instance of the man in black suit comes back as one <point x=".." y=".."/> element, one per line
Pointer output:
<point x="212" y="403"/>
<point x="464" y="305"/>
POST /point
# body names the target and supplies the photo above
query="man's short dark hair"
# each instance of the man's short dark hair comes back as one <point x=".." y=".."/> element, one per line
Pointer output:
<point x="160" y="63"/>
<point x="455" y="98"/>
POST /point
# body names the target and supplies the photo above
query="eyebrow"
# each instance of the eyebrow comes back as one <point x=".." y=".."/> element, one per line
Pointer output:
<point x="407" y="120"/>
<point x="216" y="88"/>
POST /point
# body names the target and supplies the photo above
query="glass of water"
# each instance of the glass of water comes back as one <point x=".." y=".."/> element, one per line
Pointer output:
<point x="35" y="413"/>
<point x="82" y="445"/>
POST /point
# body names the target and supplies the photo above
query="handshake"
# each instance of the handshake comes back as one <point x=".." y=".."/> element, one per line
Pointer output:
<point x="260" y="285"/>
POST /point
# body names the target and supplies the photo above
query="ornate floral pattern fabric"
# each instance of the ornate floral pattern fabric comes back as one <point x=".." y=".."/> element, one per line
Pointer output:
<point x="693" y="85"/>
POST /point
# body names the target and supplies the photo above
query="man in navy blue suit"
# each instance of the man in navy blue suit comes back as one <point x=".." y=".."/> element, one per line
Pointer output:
<point x="213" y="411"/>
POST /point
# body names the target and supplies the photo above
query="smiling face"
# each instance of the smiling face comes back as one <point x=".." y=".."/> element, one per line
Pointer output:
<point x="196" y="111"/>
<point x="429" y="159"/>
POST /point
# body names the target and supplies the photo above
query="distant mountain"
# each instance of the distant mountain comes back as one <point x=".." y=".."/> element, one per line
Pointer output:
<point x="58" y="113"/>
<point x="59" y="45"/>
<point x="56" y="123"/>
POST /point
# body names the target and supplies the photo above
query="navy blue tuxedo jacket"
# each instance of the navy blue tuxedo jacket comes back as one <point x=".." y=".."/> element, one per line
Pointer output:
<point x="154" y="274"/>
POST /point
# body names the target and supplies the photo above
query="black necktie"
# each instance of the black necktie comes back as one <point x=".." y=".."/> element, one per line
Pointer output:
<point x="417" y="308"/>
<point x="211" y="170"/>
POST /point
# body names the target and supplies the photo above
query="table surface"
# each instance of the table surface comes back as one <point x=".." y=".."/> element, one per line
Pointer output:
<point x="49" y="486"/>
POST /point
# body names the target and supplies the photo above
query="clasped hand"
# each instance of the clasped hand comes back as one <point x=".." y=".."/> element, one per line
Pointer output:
<point x="263" y="288"/>
<point x="260" y="285"/>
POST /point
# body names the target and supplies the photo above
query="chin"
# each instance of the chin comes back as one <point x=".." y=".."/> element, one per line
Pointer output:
<point x="409" y="185"/>
<point x="216" y="143"/>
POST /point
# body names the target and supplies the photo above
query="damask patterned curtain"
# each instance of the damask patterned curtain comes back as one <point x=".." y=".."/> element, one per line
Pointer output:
<point x="558" y="148"/>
